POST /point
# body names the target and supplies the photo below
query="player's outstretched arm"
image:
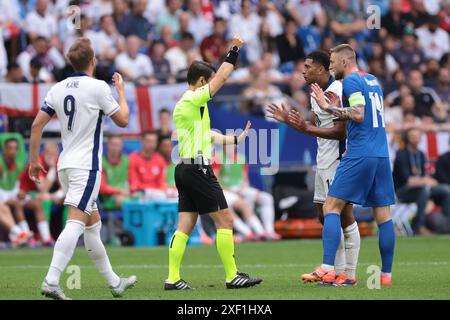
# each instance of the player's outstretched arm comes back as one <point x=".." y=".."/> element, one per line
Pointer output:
<point x="120" y="118"/>
<point x="38" y="125"/>
<point x="229" y="139"/>
<point x="298" y="122"/>
<point x="227" y="66"/>
<point x="329" y="101"/>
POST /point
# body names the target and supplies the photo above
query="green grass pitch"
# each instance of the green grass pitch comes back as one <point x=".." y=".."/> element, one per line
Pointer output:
<point x="420" y="272"/>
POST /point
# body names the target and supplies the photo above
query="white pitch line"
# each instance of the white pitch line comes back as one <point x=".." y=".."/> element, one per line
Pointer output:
<point x="206" y="266"/>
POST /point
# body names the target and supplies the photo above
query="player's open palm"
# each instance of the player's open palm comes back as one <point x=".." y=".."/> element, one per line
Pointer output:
<point x="35" y="169"/>
<point x="333" y="99"/>
<point x="278" y="113"/>
<point x="297" y="120"/>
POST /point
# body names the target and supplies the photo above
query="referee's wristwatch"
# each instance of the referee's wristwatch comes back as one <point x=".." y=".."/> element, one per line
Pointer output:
<point x="235" y="49"/>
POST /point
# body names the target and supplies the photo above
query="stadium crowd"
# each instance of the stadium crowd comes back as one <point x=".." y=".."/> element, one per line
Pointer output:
<point x="154" y="41"/>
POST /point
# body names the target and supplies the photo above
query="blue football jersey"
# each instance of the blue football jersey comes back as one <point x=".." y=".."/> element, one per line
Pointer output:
<point x="368" y="138"/>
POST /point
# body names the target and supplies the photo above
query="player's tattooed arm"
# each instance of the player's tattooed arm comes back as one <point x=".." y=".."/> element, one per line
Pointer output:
<point x="330" y="102"/>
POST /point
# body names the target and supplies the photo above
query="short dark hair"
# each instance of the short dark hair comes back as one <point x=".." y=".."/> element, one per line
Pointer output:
<point x="161" y="138"/>
<point x="164" y="110"/>
<point x="9" y="140"/>
<point x="81" y="54"/>
<point x="198" y="69"/>
<point x="36" y="62"/>
<point x="187" y="36"/>
<point x="148" y="132"/>
<point x="320" y="57"/>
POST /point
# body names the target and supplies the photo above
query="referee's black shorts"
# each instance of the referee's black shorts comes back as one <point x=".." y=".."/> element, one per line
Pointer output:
<point x="198" y="190"/>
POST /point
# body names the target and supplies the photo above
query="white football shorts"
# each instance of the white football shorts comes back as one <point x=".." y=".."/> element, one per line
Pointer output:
<point x="323" y="180"/>
<point x="81" y="187"/>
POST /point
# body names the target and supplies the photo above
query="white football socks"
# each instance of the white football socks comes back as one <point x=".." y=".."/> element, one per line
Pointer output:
<point x="241" y="227"/>
<point x="256" y="225"/>
<point x="44" y="230"/>
<point x="352" y="245"/>
<point x="339" y="262"/>
<point x="267" y="212"/>
<point x="63" y="251"/>
<point x="97" y="252"/>
<point x="14" y="232"/>
<point x="24" y="226"/>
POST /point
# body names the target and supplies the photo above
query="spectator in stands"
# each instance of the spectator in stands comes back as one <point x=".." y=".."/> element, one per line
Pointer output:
<point x="444" y="15"/>
<point x="165" y="150"/>
<point x="136" y="24"/>
<point x="35" y="70"/>
<point x="161" y="65"/>
<point x="434" y="41"/>
<point x="289" y="44"/>
<point x="135" y="66"/>
<point x="147" y="177"/>
<point x="408" y="55"/>
<point x="50" y="58"/>
<point x="184" y="22"/>
<point x="267" y="42"/>
<point x="40" y="22"/>
<point x="273" y="73"/>
<point x="344" y="23"/>
<point x="271" y="17"/>
<point x="307" y="12"/>
<point x="12" y="163"/>
<point x="170" y="17"/>
<point x="260" y="94"/>
<point x="232" y="173"/>
<point x="120" y="10"/>
<point x="178" y="56"/>
<point x="107" y="45"/>
<point x="418" y="15"/>
<point x="413" y="185"/>
<point x="167" y="36"/>
<point x="85" y="30"/>
<point x="15" y="74"/>
<point x="114" y="188"/>
<point x="442" y="174"/>
<point x="199" y="25"/>
<point x="394" y="21"/>
<point x="40" y="197"/>
<point x="15" y="234"/>
<point x="427" y="102"/>
<point x="214" y="47"/>
<point x="431" y="74"/>
<point x="246" y="23"/>
<point x="165" y="123"/>
<point x="443" y="86"/>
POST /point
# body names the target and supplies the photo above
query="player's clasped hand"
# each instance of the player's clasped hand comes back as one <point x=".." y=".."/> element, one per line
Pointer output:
<point x="237" y="41"/>
<point x="35" y="169"/>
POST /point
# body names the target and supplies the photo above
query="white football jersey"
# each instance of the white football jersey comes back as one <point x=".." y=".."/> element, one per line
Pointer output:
<point x="80" y="102"/>
<point x="328" y="151"/>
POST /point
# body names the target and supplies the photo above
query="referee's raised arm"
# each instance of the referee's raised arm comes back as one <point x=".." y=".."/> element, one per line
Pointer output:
<point x="227" y="66"/>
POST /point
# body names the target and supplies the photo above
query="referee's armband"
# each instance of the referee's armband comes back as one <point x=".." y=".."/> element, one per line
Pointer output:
<point x="232" y="56"/>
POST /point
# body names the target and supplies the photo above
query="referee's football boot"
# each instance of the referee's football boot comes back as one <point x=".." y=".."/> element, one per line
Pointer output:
<point x="52" y="291"/>
<point x="178" y="285"/>
<point x="124" y="285"/>
<point x="243" y="280"/>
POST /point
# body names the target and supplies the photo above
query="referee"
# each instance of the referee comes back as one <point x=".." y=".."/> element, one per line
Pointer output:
<point x="198" y="188"/>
